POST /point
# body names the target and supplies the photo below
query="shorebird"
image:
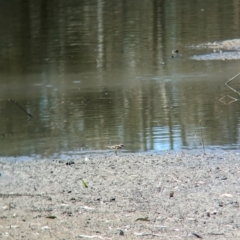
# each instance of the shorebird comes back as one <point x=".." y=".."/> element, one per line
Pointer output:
<point x="116" y="147"/>
<point x="175" y="53"/>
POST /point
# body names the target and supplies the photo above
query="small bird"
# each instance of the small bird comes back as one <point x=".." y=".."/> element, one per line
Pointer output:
<point x="116" y="147"/>
<point x="175" y="53"/>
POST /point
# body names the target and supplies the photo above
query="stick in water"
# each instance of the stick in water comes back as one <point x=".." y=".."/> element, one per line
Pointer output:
<point x="202" y="136"/>
<point x="20" y="107"/>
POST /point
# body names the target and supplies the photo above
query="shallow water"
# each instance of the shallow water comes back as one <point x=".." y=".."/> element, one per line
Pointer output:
<point x="95" y="73"/>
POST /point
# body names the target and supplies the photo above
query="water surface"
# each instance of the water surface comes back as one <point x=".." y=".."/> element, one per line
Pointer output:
<point x="94" y="73"/>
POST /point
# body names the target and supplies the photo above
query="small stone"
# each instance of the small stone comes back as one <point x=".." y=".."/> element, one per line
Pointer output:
<point x="45" y="228"/>
<point x="119" y="232"/>
<point x="70" y="163"/>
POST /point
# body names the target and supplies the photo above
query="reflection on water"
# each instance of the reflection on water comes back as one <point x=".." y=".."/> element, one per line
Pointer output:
<point x="94" y="73"/>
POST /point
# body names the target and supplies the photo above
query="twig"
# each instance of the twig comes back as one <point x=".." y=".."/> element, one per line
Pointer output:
<point x="196" y="235"/>
<point x="234" y="90"/>
<point x="177" y="180"/>
<point x="20" y="107"/>
<point x="91" y="237"/>
<point x="227" y="83"/>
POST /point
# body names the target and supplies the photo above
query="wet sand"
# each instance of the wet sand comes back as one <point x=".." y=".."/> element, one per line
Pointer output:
<point x="172" y="195"/>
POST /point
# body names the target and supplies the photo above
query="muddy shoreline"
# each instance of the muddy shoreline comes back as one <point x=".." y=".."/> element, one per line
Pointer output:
<point x="172" y="195"/>
<point x="222" y="50"/>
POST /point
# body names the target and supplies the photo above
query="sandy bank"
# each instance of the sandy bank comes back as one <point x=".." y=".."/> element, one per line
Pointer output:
<point x="183" y="195"/>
